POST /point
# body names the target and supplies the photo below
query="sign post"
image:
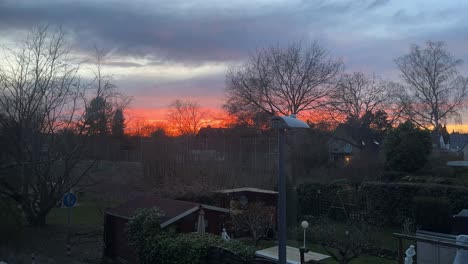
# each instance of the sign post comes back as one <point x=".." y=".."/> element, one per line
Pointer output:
<point x="69" y="200"/>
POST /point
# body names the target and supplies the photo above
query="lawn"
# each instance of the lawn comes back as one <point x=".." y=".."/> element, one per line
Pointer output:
<point x="88" y="212"/>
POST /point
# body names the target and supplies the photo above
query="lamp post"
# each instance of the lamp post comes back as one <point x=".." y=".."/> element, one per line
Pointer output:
<point x="304" y="250"/>
<point x="283" y="123"/>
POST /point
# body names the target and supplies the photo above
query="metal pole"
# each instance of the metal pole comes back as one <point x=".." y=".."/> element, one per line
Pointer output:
<point x="302" y="251"/>
<point x="69" y="231"/>
<point x="304" y="236"/>
<point x="400" y="251"/>
<point x="281" y="200"/>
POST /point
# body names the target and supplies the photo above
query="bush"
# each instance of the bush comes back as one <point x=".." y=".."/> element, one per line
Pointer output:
<point x="391" y="203"/>
<point x="188" y="248"/>
<point x="144" y="225"/>
<point x="433" y="214"/>
<point x="407" y="148"/>
<point x="11" y="222"/>
<point x="166" y="247"/>
<point x="316" y="198"/>
<point x="392" y="176"/>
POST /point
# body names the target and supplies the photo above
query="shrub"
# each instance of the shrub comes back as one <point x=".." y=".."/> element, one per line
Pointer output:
<point x="391" y="203"/>
<point x="392" y="176"/>
<point x="166" y="247"/>
<point x="188" y="248"/>
<point x="407" y="148"/>
<point x="11" y="222"/>
<point x="316" y="198"/>
<point x="433" y="214"/>
<point x="144" y="225"/>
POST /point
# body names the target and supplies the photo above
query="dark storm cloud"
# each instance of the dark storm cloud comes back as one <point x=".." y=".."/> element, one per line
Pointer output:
<point x="136" y="32"/>
<point x="169" y="33"/>
<point x="368" y="34"/>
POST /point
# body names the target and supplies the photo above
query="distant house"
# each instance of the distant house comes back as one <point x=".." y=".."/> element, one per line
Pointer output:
<point x="239" y="198"/>
<point x="341" y="152"/>
<point x="245" y="195"/>
<point x="457" y="141"/>
<point x="181" y="215"/>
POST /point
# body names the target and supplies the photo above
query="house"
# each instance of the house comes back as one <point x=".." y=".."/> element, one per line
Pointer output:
<point x="245" y="195"/>
<point x="457" y="141"/>
<point x="342" y="148"/>
<point x="239" y="199"/>
<point x="181" y="215"/>
<point x="441" y="138"/>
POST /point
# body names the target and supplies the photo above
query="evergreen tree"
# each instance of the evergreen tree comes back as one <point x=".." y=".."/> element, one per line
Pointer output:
<point x="118" y="124"/>
<point x="407" y="148"/>
<point x="98" y="116"/>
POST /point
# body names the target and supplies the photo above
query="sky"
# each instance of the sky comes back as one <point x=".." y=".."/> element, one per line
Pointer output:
<point x="159" y="51"/>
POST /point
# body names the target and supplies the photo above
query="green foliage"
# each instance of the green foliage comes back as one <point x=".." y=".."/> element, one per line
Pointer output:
<point x="390" y="204"/>
<point x="433" y="214"/>
<point x="167" y="247"/>
<point x="386" y="204"/>
<point x="407" y="148"/>
<point x="192" y="248"/>
<point x="144" y="226"/>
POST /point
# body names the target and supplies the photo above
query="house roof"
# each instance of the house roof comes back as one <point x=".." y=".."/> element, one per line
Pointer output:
<point x="457" y="140"/>
<point x="173" y="209"/>
<point x="246" y="189"/>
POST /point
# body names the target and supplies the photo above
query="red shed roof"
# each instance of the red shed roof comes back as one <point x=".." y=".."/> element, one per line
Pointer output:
<point x="173" y="209"/>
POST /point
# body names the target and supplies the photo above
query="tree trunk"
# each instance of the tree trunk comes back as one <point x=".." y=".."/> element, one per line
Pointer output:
<point x="36" y="219"/>
<point x="40" y="220"/>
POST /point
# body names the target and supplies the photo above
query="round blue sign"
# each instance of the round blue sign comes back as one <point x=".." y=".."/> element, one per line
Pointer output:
<point x="69" y="200"/>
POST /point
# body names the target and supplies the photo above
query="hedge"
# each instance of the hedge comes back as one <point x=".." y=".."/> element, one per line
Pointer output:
<point x="167" y="247"/>
<point x="433" y="214"/>
<point x="385" y="204"/>
<point x="391" y="203"/>
<point x="316" y="199"/>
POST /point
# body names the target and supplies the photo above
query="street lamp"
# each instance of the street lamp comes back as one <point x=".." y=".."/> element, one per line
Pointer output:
<point x="283" y="123"/>
<point x="304" y="250"/>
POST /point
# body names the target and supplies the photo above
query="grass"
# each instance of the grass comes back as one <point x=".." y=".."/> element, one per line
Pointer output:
<point x="88" y="212"/>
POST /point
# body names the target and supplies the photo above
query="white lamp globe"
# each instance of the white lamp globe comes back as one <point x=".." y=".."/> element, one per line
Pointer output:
<point x="305" y="224"/>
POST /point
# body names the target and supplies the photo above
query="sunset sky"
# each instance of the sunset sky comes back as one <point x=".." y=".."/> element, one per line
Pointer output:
<point x="163" y="50"/>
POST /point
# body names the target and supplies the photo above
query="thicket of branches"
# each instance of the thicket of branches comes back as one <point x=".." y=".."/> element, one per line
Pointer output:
<point x="45" y="122"/>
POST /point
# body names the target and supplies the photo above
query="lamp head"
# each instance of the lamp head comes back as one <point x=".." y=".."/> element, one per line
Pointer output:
<point x="305" y="224"/>
<point x="287" y="122"/>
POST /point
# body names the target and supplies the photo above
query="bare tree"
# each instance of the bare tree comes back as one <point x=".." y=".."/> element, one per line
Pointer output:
<point x="256" y="218"/>
<point x="187" y="116"/>
<point x="284" y="81"/>
<point x="357" y="94"/>
<point x="41" y="106"/>
<point x="434" y="90"/>
<point x="106" y="99"/>
<point x="343" y="242"/>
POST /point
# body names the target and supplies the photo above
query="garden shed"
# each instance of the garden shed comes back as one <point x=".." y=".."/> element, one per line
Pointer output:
<point x="183" y="216"/>
<point x="246" y="195"/>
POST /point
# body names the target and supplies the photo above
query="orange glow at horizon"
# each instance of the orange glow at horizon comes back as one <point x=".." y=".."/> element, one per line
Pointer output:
<point x="141" y="121"/>
<point x="461" y="128"/>
<point x="145" y="121"/>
